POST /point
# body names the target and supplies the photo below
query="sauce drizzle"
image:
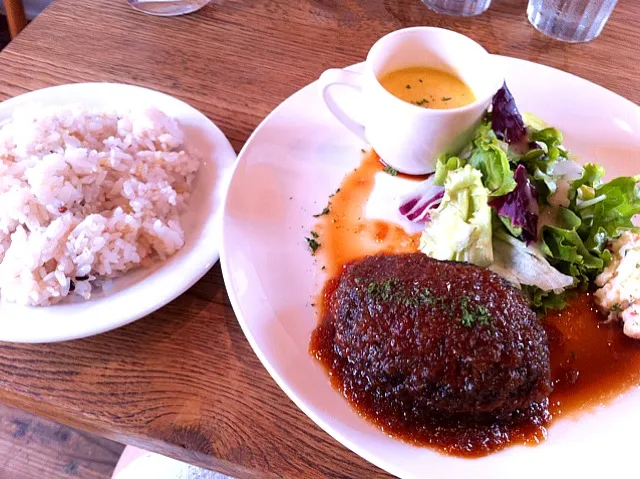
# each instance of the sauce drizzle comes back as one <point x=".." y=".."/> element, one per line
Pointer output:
<point x="346" y="235"/>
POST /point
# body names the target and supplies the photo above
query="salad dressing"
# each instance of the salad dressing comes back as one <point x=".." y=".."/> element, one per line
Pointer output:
<point x="428" y="88"/>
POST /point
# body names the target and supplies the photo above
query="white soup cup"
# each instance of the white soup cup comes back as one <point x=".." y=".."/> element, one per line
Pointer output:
<point x="407" y="137"/>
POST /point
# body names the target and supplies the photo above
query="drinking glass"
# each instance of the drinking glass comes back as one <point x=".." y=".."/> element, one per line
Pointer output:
<point x="168" y="8"/>
<point x="570" y="20"/>
<point x="460" y="8"/>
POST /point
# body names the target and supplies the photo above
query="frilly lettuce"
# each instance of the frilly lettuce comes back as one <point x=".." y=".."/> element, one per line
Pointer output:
<point x="543" y="160"/>
<point x="609" y="212"/>
<point x="526" y="265"/>
<point x="487" y="154"/>
<point x="533" y="122"/>
<point x="519" y="166"/>
<point x="566" y="250"/>
<point x="460" y="229"/>
<point x="576" y="241"/>
<point x="543" y="301"/>
<point x="444" y="165"/>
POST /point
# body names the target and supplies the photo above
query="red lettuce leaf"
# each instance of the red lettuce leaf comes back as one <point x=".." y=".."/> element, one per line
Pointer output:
<point x="426" y="197"/>
<point x="519" y="208"/>
<point x="506" y="120"/>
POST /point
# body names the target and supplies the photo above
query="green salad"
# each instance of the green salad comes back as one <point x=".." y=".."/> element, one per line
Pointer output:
<point x="514" y="200"/>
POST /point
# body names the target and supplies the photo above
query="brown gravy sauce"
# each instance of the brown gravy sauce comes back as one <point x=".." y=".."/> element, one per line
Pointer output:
<point x="592" y="363"/>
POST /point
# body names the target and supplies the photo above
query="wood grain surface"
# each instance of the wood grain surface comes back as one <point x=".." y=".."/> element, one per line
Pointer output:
<point x="184" y="381"/>
<point x="32" y="447"/>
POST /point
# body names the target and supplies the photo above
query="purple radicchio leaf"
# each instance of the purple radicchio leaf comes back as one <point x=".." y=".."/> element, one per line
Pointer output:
<point x="520" y="207"/>
<point x="506" y="120"/>
<point x="426" y="197"/>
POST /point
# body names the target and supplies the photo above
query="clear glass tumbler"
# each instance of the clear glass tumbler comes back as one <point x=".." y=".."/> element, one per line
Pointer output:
<point x="460" y="8"/>
<point x="168" y="8"/>
<point x="570" y="20"/>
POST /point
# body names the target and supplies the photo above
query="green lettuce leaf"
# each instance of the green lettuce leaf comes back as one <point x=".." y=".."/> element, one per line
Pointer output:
<point x="551" y="142"/>
<point x="543" y="301"/>
<point x="537" y="164"/>
<point x="533" y="122"/>
<point x="489" y="155"/>
<point x="460" y="228"/>
<point x="609" y="213"/>
<point x="576" y="242"/>
<point x="585" y="214"/>
<point x="606" y="209"/>
<point x="583" y="189"/>
<point x="524" y="264"/>
<point x="444" y="165"/>
<point x="566" y="249"/>
<point x="540" y="160"/>
<point x="515" y="231"/>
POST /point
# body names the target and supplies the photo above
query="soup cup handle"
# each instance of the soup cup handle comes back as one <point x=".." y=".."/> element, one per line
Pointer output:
<point x="338" y="76"/>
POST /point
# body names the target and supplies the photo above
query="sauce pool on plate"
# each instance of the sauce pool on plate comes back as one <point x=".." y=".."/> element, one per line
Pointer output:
<point x="428" y="88"/>
<point x="345" y="233"/>
<point x="592" y="362"/>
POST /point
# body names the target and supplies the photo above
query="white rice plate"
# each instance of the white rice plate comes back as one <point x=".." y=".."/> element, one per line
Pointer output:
<point x="86" y="196"/>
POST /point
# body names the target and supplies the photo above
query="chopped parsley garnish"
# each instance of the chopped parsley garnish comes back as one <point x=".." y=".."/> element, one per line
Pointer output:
<point x="391" y="291"/>
<point x="390" y="171"/>
<point x="483" y="314"/>
<point x="314" y="234"/>
<point x="399" y="293"/>
<point x="469" y="315"/>
<point x="381" y="291"/>
<point x="325" y="211"/>
<point x="312" y="243"/>
<point x="616" y="308"/>
<point x="445" y="98"/>
<point x="363" y="150"/>
<point x="424" y="296"/>
<point x="424" y="101"/>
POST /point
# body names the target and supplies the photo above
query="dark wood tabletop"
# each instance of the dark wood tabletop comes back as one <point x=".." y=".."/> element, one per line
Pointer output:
<point x="184" y="381"/>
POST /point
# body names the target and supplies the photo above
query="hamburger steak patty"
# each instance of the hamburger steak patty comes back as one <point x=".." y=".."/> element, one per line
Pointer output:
<point x="418" y="341"/>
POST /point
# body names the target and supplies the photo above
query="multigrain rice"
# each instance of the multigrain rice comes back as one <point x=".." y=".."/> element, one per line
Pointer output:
<point x="86" y="196"/>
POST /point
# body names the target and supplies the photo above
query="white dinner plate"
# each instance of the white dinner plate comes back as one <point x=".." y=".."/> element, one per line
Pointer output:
<point x="285" y="173"/>
<point x="141" y="291"/>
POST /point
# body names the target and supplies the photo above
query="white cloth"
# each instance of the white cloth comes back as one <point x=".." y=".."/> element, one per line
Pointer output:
<point x="137" y="463"/>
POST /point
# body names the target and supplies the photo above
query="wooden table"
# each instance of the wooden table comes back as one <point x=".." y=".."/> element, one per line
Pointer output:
<point x="184" y="381"/>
